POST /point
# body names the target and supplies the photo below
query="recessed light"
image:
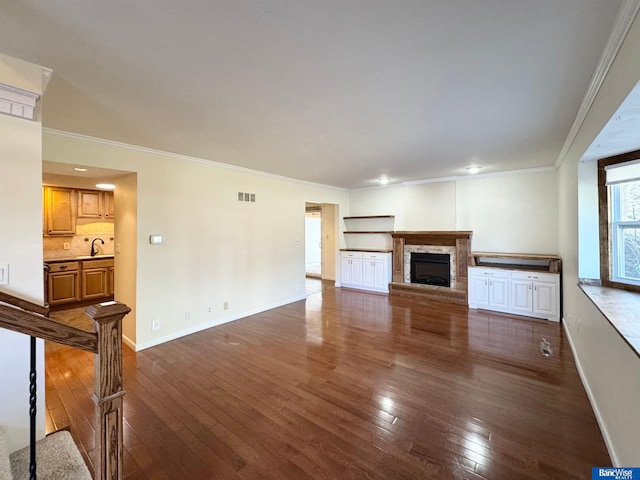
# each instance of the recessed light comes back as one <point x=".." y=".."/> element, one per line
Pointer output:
<point x="106" y="186"/>
<point x="383" y="180"/>
<point x="79" y="169"/>
<point x="473" y="169"/>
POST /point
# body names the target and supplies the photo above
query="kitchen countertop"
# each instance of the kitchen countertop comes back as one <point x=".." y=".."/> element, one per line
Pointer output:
<point x="77" y="259"/>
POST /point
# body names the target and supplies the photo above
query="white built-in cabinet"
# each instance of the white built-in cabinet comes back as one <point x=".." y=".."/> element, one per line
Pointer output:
<point x="534" y="294"/>
<point x="366" y="270"/>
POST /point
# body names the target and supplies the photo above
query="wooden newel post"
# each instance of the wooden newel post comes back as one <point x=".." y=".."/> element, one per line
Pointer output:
<point x="108" y="392"/>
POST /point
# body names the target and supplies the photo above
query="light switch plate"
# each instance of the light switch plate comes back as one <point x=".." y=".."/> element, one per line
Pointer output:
<point x="4" y="274"/>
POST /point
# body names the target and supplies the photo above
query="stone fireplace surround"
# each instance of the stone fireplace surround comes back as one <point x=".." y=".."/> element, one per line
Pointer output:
<point x="456" y="243"/>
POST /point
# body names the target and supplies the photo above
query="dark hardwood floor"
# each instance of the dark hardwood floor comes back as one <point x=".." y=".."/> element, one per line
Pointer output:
<point x="346" y="385"/>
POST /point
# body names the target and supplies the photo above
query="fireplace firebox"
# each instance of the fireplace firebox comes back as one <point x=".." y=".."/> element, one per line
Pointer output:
<point x="431" y="269"/>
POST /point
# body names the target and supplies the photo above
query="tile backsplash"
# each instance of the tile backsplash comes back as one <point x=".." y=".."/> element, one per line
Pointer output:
<point x="53" y="246"/>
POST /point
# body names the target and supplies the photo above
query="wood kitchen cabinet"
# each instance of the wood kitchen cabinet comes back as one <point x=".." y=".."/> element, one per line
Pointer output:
<point x="95" y="278"/>
<point x="95" y="204"/>
<point x="78" y="281"/>
<point x="59" y="211"/>
<point x="63" y="282"/>
<point x="111" y="282"/>
<point x="109" y="205"/>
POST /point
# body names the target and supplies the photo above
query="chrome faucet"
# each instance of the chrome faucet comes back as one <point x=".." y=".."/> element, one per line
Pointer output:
<point x="94" y="250"/>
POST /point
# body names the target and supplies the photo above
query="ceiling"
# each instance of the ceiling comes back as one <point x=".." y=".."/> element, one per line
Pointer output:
<point x="621" y="134"/>
<point x="337" y="92"/>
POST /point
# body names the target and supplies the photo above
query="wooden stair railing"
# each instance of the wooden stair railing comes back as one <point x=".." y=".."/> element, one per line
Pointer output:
<point x="106" y="343"/>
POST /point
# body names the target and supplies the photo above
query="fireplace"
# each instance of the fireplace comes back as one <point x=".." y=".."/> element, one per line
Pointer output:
<point x="431" y="269"/>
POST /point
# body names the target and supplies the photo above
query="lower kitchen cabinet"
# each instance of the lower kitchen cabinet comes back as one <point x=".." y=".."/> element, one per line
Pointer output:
<point x="527" y="293"/>
<point x="95" y="279"/>
<point x="63" y="282"/>
<point x="366" y="270"/>
<point x="72" y="282"/>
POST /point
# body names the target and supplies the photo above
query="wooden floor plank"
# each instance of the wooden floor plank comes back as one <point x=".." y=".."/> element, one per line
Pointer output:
<point x="345" y="385"/>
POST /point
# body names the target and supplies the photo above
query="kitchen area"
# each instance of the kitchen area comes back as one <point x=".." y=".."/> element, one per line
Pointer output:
<point x="78" y="244"/>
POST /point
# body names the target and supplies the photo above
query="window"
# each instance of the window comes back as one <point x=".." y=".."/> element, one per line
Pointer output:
<point x="619" y="196"/>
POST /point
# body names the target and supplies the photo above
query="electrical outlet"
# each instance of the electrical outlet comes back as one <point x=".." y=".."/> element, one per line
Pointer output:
<point x="66" y="245"/>
<point x="209" y="309"/>
<point x="225" y="305"/>
<point x="187" y="316"/>
<point x="155" y="325"/>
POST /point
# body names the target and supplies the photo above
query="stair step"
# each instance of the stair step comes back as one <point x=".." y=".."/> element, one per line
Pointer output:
<point x="57" y="458"/>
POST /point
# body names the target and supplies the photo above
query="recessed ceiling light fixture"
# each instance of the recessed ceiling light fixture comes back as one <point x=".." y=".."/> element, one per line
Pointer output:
<point x="79" y="169"/>
<point x="106" y="186"/>
<point x="383" y="180"/>
<point x="473" y="169"/>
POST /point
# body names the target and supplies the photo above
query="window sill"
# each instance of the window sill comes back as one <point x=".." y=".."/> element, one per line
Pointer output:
<point x="621" y="308"/>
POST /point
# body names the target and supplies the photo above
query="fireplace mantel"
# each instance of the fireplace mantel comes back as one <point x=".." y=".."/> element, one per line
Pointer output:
<point x="440" y="236"/>
<point x="460" y="240"/>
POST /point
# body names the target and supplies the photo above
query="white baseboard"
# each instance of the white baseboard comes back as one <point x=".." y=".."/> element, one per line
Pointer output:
<point x="203" y="326"/>
<point x="594" y="405"/>
<point x="130" y="343"/>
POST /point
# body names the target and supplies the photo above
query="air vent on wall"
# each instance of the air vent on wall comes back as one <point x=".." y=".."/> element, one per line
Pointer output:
<point x="246" y="197"/>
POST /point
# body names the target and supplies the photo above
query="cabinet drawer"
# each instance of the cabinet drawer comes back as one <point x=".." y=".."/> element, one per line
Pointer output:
<point x="374" y="255"/>
<point x="63" y="267"/>
<point x="488" y="272"/>
<point x="540" y="277"/>
<point x="351" y="254"/>
<point x="106" y="263"/>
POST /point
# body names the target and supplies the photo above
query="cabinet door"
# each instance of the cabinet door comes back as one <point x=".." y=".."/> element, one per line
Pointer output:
<point x="346" y="271"/>
<point x="89" y="204"/>
<point x="59" y="215"/>
<point x="545" y="299"/>
<point x="521" y="296"/>
<point x="499" y="293"/>
<point x="63" y="287"/>
<point x="381" y="275"/>
<point x="356" y="271"/>
<point x="94" y="283"/>
<point x="478" y="291"/>
<point x="373" y="272"/>
<point x="109" y="205"/>
<point x="111" y="284"/>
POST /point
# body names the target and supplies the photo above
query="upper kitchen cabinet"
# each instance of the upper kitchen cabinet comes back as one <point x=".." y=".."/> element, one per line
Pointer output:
<point x="95" y="204"/>
<point x="109" y="205"/>
<point x="59" y="214"/>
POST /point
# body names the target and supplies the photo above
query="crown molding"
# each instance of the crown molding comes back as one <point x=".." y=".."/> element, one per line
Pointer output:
<point x="177" y="156"/>
<point x="626" y="16"/>
<point x="17" y="102"/>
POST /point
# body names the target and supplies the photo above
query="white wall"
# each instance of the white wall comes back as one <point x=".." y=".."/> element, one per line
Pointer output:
<point x="21" y="248"/>
<point x="216" y="249"/>
<point x="610" y="371"/>
<point x="126" y="228"/>
<point x="330" y="241"/>
<point x="512" y="212"/>
<point x="588" y="225"/>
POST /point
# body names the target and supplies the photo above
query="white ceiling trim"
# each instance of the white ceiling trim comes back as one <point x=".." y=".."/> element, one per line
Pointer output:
<point x="625" y="18"/>
<point x="178" y="156"/>
<point x="17" y="102"/>
<point x="522" y="171"/>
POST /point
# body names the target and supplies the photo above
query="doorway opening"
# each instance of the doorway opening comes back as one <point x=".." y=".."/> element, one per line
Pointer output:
<point x="313" y="240"/>
<point x="321" y="242"/>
